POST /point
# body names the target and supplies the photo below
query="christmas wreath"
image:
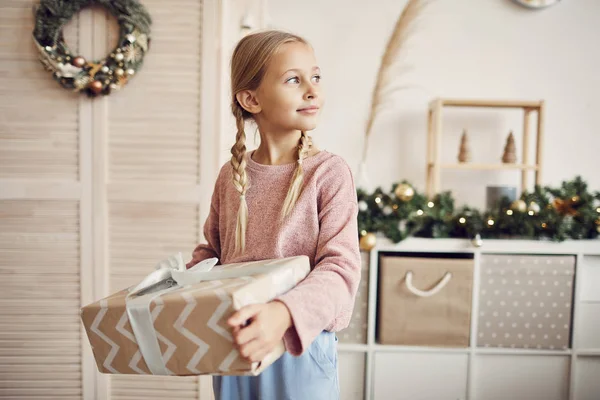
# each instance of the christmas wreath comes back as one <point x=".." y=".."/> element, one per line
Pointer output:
<point x="73" y="71"/>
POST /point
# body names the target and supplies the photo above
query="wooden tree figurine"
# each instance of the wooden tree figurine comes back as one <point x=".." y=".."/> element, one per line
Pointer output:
<point x="510" y="150"/>
<point x="464" y="152"/>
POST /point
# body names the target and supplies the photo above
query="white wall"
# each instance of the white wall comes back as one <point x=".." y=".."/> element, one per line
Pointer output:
<point x="460" y="48"/>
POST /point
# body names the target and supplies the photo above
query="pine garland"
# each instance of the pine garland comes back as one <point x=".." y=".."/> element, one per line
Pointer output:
<point x="569" y="211"/>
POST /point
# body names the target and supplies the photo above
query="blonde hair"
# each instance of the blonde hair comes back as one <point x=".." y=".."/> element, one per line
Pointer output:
<point x="248" y="66"/>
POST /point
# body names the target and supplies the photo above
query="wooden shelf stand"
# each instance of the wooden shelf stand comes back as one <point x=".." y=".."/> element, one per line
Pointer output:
<point x="434" y="139"/>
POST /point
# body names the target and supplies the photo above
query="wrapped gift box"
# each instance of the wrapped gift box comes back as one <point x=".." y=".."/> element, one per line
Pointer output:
<point x="175" y="321"/>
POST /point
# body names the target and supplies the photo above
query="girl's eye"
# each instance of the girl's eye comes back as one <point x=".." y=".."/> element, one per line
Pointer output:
<point x="295" y="79"/>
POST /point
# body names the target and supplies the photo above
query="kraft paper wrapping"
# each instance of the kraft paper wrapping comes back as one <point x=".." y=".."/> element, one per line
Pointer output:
<point x="190" y="322"/>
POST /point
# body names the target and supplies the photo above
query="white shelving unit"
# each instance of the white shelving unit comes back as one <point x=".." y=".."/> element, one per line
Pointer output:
<point x="414" y="372"/>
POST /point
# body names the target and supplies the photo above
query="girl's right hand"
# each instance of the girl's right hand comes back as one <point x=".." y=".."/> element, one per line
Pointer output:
<point x="268" y="324"/>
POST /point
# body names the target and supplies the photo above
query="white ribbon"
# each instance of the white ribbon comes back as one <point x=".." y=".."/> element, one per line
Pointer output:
<point x="170" y="275"/>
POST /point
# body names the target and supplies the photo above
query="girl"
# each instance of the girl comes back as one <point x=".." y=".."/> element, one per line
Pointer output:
<point x="284" y="199"/>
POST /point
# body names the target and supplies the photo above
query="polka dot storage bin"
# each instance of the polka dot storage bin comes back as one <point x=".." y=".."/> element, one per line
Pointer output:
<point x="525" y="301"/>
<point x="356" y="332"/>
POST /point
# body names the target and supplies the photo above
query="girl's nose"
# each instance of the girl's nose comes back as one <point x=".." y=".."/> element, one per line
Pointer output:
<point x="311" y="93"/>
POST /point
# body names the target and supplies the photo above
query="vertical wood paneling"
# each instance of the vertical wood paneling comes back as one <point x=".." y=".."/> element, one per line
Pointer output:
<point x="154" y="122"/>
<point x="40" y="350"/>
<point x="62" y="248"/>
<point x="38" y="119"/>
<point x="40" y="341"/>
<point x="142" y="234"/>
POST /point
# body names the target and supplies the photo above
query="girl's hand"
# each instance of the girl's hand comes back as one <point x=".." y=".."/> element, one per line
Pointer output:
<point x="267" y="325"/>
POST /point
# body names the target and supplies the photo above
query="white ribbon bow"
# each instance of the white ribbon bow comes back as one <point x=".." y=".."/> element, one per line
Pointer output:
<point x="172" y="270"/>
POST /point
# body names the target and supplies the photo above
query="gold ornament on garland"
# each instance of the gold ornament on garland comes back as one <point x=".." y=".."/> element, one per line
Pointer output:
<point x="404" y="192"/>
<point x="368" y="241"/>
<point x="533" y="208"/>
<point x="519" y="205"/>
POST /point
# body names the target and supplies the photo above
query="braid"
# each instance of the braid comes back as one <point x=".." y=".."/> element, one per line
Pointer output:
<point x="240" y="178"/>
<point x="298" y="177"/>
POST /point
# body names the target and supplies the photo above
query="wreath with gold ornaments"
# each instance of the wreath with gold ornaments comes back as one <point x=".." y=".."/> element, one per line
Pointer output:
<point x="74" y="72"/>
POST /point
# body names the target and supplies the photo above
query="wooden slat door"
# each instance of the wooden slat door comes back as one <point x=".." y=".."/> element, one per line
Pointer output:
<point x="93" y="192"/>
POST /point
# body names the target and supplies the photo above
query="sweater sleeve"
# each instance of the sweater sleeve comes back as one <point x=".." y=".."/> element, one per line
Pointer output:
<point x="325" y="298"/>
<point x="212" y="247"/>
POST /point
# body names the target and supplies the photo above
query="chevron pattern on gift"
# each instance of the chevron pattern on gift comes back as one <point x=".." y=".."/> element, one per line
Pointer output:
<point x="114" y="347"/>
<point x="189" y="322"/>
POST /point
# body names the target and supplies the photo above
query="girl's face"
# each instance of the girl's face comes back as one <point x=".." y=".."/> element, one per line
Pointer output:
<point x="289" y="96"/>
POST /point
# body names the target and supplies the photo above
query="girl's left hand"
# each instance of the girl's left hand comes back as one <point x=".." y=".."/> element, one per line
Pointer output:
<point x="268" y="323"/>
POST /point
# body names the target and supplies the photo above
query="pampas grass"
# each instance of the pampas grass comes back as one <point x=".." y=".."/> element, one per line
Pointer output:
<point x="389" y="69"/>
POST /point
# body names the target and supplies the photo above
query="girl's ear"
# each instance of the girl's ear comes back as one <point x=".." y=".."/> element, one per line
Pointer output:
<point x="249" y="101"/>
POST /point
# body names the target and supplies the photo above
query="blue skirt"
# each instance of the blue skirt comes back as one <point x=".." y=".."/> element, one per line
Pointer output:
<point x="311" y="376"/>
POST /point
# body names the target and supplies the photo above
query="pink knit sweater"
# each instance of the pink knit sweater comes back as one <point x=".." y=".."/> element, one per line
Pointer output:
<point x="322" y="226"/>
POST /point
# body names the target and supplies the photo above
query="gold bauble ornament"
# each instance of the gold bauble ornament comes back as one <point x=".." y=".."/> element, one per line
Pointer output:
<point x="368" y="241"/>
<point x="533" y="208"/>
<point x="518" y="205"/>
<point x="598" y="222"/>
<point x="404" y="192"/>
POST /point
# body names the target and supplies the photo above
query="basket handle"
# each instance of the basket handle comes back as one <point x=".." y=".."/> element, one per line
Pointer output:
<point x="426" y="293"/>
